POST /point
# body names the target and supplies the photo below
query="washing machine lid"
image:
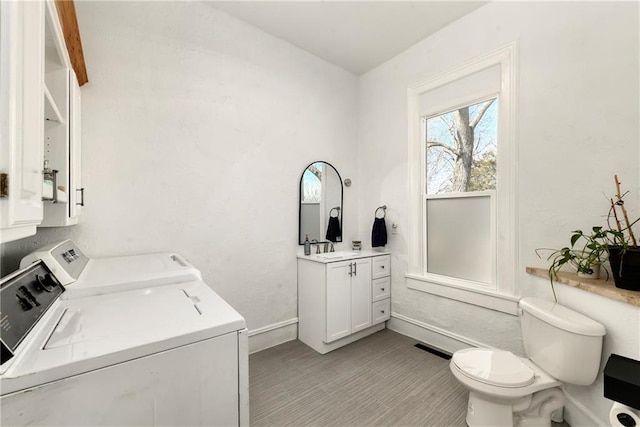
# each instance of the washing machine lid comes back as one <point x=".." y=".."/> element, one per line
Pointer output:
<point x="84" y="334"/>
<point x="84" y="276"/>
<point x="115" y="274"/>
<point x="494" y="367"/>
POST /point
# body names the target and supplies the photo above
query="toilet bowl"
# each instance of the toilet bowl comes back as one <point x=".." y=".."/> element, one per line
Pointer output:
<point x="506" y="390"/>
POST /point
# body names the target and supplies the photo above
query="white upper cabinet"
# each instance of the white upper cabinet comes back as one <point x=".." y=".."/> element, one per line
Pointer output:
<point x="21" y="118"/>
<point x="40" y="120"/>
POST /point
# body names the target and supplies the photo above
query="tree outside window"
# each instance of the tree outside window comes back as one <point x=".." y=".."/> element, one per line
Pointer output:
<point x="462" y="148"/>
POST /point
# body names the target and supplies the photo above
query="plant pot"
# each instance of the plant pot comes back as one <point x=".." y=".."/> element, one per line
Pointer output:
<point x="595" y="272"/>
<point x="625" y="267"/>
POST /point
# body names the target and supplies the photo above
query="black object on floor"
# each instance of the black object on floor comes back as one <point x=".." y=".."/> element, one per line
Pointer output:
<point x="433" y="351"/>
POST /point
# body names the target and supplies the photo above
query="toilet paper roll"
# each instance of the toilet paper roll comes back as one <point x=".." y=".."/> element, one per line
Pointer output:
<point x="623" y="415"/>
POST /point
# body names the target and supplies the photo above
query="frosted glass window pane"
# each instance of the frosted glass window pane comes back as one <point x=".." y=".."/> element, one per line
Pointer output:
<point x="459" y="238"/>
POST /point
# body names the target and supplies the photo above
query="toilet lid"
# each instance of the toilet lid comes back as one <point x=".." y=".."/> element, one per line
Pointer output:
<point x="494" y="367"/>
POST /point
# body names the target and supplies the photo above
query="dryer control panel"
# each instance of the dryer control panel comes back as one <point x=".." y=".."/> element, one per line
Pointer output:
<point x="24" y="297"/>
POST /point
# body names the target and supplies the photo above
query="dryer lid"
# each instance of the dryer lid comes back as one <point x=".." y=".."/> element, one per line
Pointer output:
<point x="494" y="367"/>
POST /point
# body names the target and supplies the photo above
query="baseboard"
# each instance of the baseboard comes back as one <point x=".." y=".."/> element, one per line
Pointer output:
<point x="578" y="415"/>
<point x="575" y="413"/>
<point x="272" y="335"/>
<point x="436" y="337"/>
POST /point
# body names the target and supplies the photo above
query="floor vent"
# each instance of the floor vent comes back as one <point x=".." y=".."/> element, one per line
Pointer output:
<point x="433" y="351"/>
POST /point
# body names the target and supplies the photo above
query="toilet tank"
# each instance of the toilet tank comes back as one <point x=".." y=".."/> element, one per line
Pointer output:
<point x="566" y="344"/>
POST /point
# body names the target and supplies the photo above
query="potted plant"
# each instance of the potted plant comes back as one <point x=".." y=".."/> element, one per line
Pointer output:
<point x="586" y="254"/>
<point x="624" y="252"/>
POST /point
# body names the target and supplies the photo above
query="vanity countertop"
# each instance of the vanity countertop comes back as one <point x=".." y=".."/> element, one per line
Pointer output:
<point x="338" y="256"/>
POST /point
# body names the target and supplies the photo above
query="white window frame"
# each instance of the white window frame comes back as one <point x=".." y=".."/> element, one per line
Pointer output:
<point x="504" y="297"/>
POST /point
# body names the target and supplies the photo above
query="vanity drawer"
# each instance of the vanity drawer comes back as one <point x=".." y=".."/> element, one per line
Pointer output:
<point x="381" y="311"/>
<point x="380" y="288"/>
<point x="381" y="266"/>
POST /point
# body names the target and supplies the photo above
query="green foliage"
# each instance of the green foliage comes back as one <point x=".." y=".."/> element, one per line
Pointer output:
<point x="586" y="252"/>
<point x="483" y="172"/>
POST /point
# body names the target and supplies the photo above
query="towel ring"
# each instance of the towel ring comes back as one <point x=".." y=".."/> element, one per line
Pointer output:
<point x="337" y="208"/>
<point x="384" y="211"/>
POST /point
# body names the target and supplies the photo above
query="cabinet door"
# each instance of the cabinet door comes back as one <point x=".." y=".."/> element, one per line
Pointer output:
<point x="21" y="114"/>
<point x="338" y="300"/>
<point x="76" y="192"/>
<point x="361" y="295"/>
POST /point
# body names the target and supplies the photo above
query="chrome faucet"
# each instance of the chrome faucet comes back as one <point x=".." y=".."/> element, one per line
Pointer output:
<point x="326" y="247"/>
<point x="315" y="242"/>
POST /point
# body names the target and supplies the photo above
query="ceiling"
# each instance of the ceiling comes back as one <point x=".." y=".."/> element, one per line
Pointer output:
<point x="355" y="35"/>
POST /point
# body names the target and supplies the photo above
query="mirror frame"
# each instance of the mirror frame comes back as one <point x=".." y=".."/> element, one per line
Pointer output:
<point x="341" y="215"/>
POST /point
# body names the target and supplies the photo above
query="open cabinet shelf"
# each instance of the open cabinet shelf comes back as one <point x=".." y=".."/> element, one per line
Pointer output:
<point x="51" y="110"/>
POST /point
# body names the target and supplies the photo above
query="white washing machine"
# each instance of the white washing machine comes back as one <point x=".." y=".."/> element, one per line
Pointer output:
<point x="159" y="353"/>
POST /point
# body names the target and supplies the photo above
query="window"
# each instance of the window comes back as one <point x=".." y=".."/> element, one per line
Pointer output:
<point x="462" y="183"/>
<point x="461" y="152"/>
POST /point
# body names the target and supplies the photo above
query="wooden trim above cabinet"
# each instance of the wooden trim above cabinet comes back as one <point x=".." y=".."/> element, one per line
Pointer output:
<point x="67" y="14"/>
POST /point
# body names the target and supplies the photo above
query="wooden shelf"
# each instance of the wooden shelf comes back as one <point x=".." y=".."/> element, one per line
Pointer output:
<point x="606" y="288"/>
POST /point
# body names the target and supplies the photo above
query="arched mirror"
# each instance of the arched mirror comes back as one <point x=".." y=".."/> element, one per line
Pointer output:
<point x="320" y="203"/>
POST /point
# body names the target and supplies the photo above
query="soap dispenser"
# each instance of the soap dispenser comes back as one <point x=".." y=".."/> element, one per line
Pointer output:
<point x="307" y="245"/>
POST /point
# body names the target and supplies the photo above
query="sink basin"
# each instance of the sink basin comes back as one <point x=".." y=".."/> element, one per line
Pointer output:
<point x="337" y="255"/>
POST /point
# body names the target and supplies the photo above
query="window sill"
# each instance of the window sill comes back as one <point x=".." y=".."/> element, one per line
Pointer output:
<point x="606" y="288"/>
<point x="484" y="298"/>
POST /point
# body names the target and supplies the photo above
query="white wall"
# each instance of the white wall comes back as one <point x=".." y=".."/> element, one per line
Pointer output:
<point x="577" y="126"/>
<point x="196" y="129"/>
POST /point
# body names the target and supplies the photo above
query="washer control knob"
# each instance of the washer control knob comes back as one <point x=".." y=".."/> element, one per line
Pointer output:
<point x="44" y="283"/>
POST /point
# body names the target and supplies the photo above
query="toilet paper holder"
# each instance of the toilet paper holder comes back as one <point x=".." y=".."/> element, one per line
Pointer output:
<point x="624" y="416"/>
<point x="622" y="380"/>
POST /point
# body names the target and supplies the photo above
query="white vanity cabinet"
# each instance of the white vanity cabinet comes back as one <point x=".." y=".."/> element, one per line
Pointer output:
<point x="21" y="117"/>
<point x="340" y="297"/>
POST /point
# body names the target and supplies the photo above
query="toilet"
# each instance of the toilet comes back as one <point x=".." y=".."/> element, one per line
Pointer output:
<point x="562" y="346"/>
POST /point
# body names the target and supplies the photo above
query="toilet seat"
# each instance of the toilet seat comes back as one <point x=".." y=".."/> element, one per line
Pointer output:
<point x="493" y="367"/>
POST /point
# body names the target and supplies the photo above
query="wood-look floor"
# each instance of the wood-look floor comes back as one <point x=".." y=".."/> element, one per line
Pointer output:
<point x="381" y="380"/>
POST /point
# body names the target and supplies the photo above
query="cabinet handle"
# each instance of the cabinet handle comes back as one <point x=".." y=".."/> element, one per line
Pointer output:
<point x="81" y="190"/>
<point x="350" y="269"/>
<point x="355" y="268"/>
<point x="382" y="311"/>
<point x="382" y="267"/>
<point x="382" y="289"/>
